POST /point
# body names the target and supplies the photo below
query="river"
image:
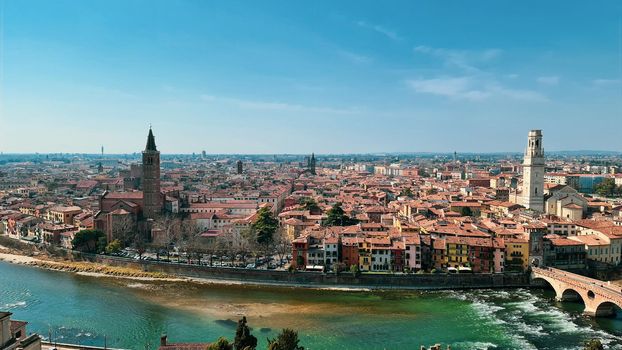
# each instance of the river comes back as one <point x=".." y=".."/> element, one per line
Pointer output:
<point x="130" y="314"/>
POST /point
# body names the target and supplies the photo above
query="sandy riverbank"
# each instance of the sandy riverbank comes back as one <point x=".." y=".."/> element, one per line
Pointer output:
<point x="101" y="270"/>
<point x="83" y="268"/>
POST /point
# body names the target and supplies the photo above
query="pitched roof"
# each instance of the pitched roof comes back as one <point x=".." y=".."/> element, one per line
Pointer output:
<point x="151" y="146"/>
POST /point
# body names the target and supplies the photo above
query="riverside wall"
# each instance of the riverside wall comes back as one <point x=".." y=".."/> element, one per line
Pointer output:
<point x="317" y="279"/>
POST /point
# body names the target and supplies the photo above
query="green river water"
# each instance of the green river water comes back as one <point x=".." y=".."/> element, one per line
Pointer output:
<point x="132" y="314"/>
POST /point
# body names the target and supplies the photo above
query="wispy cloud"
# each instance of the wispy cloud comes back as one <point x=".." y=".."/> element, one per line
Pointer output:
<point x="604" y="83"/>
<point x="471" y="89"/>
<point x="454" y="87"/>
<point x="463" y="59"/>
<point x="354" y="57"/>
<point x="469" y="81"/>
<point x="548" y="80"/>
<point x="380" y="29"/>
<point x="276" y="106"/>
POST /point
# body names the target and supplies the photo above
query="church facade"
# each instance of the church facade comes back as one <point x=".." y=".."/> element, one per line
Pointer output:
<point x="120" y="212"/>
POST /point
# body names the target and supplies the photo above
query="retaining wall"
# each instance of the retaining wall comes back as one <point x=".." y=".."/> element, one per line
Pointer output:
<point x="316" y="279"/>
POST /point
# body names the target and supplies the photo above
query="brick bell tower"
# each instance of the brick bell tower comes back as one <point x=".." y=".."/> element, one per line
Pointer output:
<point x="152" y="199"/>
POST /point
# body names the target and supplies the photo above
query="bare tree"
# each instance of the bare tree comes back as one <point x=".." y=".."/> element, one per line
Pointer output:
<point x="170" y="226"/>
<point x="241" y="244"/>
<point x="254" y="248"/>
<point x="282" y="243"/>
<point x="124" y="229"/>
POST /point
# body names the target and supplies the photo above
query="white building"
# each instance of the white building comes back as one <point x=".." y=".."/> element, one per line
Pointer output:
<point x="565" y="202"/>
<point x="533" y="173"/>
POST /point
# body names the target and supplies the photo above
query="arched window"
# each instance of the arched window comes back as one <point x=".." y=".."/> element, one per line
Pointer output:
<point x="536" y="191"/>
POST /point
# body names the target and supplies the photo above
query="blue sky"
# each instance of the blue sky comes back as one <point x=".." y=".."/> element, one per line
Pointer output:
<point x="315" y="76"/>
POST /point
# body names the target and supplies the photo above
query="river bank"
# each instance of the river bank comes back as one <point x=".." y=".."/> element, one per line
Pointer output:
<point x="133" y="314"/>
<point x="80" y="267"/>
<point x="110" y="266"/>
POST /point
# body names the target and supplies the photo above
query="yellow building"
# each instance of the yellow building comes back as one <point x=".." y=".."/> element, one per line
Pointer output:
<point x="516" y="253"/>
<point x="364" y="255"/>
<point x="62" y="215"/>
<point x="457" y="251"/>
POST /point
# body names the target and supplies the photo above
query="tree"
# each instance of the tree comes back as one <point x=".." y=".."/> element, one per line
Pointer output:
<point x="87" y="241"/>
<point x="221" y="344"/>
<point x="606" y="188"/>
<point x="286" y="340"/>
<point x="310" y="204"/>
<point x="243" y="337"/>
<point x="431" y="191"/>
<point x="282" y="243"/>
<point x="189" y="241"/>
<point x="124" y="229"/>
<point x="466" y="211"/>
<point x="265" y="226"/>
<point x="407" y="192"/>
<point x="354" y="269"/>
<point x="593" y="344"/>
<point x="335" y="216"/>
<point x="246" y="242"/>
<point x="171" y="230"/>
<point x="113" y="247"/>
<point x="139" y="243"/>
<point x="101" y="245"/>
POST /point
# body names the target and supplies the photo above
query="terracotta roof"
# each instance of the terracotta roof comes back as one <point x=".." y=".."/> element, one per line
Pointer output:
<point x="124" y="195"/>
<point x="565" y="242"/>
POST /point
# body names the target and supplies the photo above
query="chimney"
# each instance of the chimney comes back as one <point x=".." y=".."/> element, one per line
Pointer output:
<point x="163" y="340"/>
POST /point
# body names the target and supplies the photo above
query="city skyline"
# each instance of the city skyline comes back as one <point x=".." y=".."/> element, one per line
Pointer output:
<point x="239" y="78"/>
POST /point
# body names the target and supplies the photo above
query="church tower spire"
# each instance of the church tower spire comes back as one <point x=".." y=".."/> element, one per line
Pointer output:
<point x="151" y="146"/>
<point x="312" y="164"/>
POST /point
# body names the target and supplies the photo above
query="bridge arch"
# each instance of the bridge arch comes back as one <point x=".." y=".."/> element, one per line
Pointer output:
<point x="549" y="283"/>
<point x="606" y="308"/>
<point x="600" y="298"/>
<point x="569" y="294"/>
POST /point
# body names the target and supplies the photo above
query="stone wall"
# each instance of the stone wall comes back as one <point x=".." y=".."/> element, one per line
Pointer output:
<point x="345" y="279"/>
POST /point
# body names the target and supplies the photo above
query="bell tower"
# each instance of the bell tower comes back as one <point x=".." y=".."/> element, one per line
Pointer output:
<point x="152" y="199"/>
<point x="533" y="172"/>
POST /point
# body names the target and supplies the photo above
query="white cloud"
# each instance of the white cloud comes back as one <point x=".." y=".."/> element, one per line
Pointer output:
<point x="471" y="89"/>
<point x="548" y="80"/>
<point x="456" y="87"/>
<point x="463" y="59"/>
<point x="380" y="29"/>
<point x="276" y="106"/>
<point x="603" y="83"/>
<point x="354" y="57"/>
<point x="471" y="82"/>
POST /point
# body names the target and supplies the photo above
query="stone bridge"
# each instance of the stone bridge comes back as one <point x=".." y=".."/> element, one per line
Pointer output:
<point x="600" y="297"/>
